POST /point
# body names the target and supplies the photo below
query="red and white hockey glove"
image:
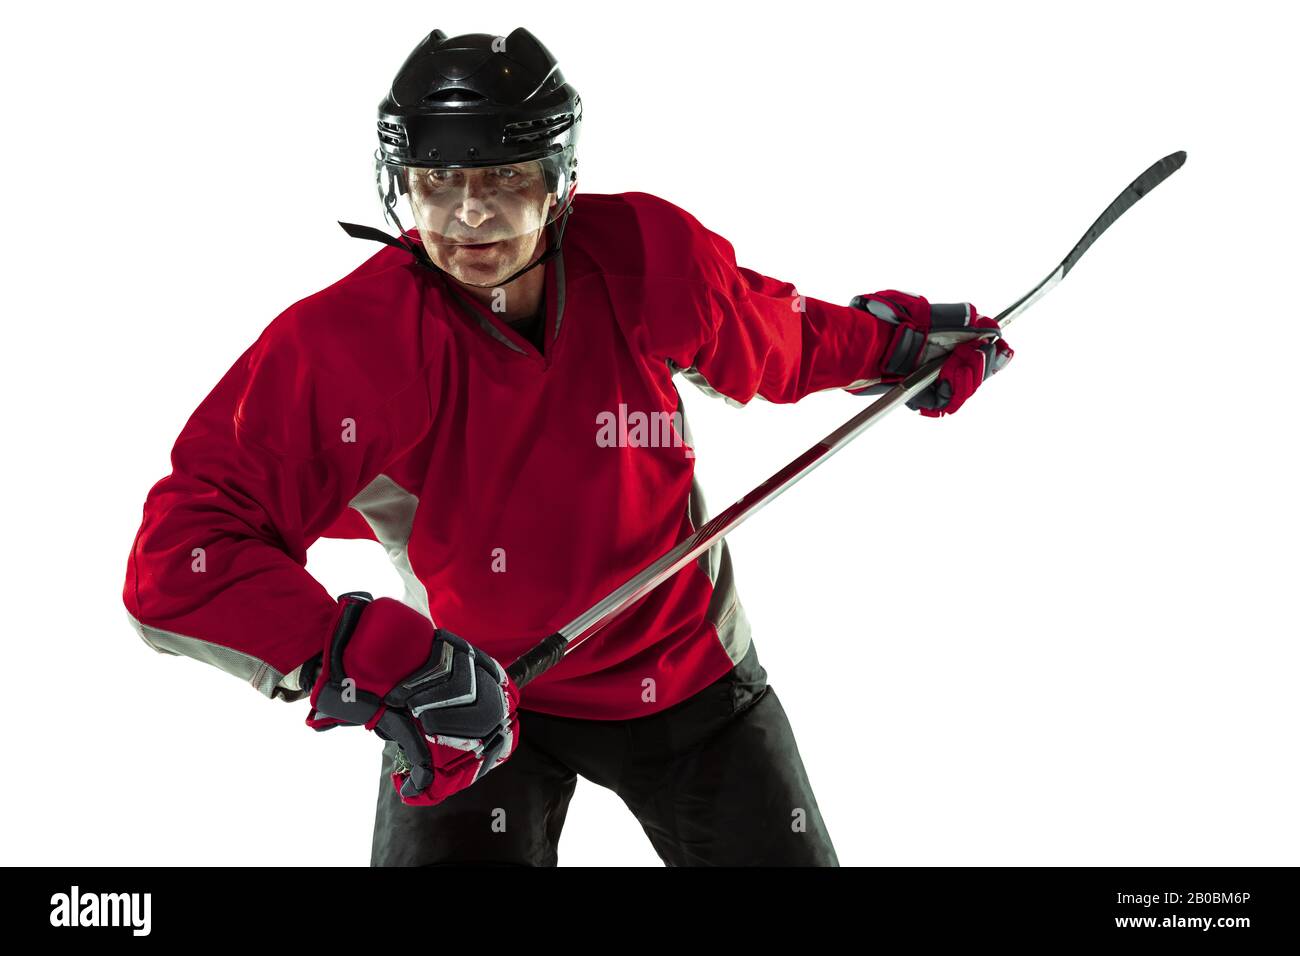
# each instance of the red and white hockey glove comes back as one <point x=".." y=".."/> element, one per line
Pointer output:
<point x="450" y="707"/>
<point x="972" y="342"/>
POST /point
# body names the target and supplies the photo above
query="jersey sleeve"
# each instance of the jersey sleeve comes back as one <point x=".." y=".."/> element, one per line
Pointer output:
<point x="749" y="334"/>
<point x="267" y="464"/>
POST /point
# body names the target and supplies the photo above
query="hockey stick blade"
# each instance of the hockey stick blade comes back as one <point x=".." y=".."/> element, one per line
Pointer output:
<point x="1155" y="174"/>
<point x="553" y="649"/>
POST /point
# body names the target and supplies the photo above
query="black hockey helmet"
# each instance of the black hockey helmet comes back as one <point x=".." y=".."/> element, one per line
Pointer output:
<point x="479" y="134"/>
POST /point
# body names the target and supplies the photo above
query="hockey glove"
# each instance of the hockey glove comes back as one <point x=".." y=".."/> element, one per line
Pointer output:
<point x="972" y="342"/>
<point x="450" y="707"/>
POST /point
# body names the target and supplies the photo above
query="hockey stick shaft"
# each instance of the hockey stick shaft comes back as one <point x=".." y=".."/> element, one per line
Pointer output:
<point x="550" y="651"/>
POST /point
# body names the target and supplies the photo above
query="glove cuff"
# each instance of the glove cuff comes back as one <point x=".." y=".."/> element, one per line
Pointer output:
<point x="328" y="706"/>
<point x="910" y="317"/>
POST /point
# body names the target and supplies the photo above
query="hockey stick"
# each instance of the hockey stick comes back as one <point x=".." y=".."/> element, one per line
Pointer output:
<point x="551" y="651"/>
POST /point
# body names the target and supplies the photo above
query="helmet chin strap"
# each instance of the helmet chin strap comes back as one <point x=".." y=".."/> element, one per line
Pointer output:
<point x="421" y="254"/>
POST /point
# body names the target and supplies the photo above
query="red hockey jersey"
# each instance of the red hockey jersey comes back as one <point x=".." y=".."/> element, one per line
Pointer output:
<point x="511" y="488"/>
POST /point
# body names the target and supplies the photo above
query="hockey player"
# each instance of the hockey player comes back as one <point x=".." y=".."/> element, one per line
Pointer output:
<point x="443" y="400"/>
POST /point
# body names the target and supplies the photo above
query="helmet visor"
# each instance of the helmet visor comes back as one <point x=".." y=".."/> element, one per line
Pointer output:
<point x="480" y="224"/>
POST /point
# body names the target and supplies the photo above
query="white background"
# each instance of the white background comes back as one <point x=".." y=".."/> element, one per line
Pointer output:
<point x="1060" y="624"/>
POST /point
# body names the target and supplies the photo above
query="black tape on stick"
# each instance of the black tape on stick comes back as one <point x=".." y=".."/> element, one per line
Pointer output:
<point x="538" y="660"/>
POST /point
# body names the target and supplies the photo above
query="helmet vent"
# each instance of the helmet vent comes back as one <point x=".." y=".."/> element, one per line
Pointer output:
<point x="393" y="135"/>
<point x="532" y="130"/>
<point x="453" y="95"/>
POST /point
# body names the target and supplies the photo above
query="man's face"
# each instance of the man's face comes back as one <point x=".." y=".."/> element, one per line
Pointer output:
<point x="480" y="225"/>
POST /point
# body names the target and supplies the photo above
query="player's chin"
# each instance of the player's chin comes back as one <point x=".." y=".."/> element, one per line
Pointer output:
<point x="479" y="273"/>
